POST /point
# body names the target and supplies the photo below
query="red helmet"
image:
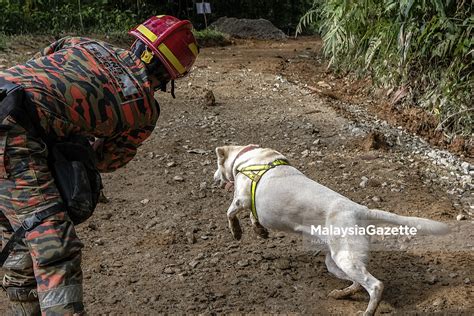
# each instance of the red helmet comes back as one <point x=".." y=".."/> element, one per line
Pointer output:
<point x="171" y="40"/>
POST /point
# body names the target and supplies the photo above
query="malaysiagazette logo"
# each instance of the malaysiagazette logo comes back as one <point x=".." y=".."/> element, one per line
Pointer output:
<point x="369" y="230"/>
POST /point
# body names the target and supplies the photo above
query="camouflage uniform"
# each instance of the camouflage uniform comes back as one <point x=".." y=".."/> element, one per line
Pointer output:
<point x="77" y="86"/>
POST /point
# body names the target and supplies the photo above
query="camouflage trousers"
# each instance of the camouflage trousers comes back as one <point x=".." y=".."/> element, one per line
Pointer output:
<point x="49" y="258"/>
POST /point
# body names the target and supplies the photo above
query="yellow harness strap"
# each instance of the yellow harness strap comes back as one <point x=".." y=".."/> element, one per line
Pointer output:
<point x="255" y="173"/>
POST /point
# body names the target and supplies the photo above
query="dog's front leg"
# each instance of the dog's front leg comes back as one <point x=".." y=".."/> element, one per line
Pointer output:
<point x="234" y="224"/>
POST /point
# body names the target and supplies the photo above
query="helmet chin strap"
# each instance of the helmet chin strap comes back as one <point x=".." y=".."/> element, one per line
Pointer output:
<point x="158" y="70"/>
<point x="172" y="89"/>
<point x="163" y="86"/>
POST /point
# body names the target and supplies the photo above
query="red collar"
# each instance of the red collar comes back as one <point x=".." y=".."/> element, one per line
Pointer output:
<point x="244" y="150"/>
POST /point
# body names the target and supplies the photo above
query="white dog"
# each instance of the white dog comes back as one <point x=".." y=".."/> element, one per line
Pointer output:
<point x="287" y="200"/>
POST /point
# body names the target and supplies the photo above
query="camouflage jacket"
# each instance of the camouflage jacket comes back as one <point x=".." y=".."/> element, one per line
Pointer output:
<point x="88" y="87"/>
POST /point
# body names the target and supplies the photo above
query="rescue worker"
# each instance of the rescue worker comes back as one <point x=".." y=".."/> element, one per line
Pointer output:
<point x="76" y="86"/>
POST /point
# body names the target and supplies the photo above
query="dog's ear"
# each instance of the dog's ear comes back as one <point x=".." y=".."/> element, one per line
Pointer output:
<point x="220" y="152"/>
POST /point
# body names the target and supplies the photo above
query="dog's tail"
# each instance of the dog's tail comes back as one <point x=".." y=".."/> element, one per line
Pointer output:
<point x="422" y="225"/>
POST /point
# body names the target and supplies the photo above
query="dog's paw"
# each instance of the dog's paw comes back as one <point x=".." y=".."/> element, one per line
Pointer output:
<point x="235" y="228"/>
<point x="346" y="292"/>
<point x="338" y="294"/>
<point x="260" y="231"/>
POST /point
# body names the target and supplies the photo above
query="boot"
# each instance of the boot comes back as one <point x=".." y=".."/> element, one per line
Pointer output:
<point x="23" y="301"/>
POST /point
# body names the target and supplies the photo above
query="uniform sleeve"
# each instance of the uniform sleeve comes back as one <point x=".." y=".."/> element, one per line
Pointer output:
<point x="117" y="151"/>
<point x="58" y="45"/>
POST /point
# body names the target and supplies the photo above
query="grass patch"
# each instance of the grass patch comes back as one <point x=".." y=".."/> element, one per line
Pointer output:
<point x="211" y="37"/>
<point x="119" y="37"/>
<point x="3" y="42"/>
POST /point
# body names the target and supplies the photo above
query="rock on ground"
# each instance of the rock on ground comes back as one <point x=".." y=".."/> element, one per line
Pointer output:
<point x="248" y="28"/>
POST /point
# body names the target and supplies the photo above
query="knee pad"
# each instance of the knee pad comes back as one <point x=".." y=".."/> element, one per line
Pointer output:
<point x="20" y="258"/>
<point x="18" y="261"/>
<point x="22" y="294"/>
<point x="23" y="301"/>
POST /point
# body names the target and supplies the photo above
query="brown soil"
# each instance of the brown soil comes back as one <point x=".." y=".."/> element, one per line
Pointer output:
<point x="161" y="245"/>
<point x="310" y="68"/>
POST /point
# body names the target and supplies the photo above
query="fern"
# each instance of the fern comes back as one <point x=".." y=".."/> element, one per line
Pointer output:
<point x="426" y="45"/>
<point x="307" y="19"/>
<point x="372" y="50"/>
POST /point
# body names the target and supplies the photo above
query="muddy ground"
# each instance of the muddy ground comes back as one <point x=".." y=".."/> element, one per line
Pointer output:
<point x="161" y="245"/>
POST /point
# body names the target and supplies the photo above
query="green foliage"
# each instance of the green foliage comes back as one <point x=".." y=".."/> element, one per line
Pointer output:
<point x="210" y="37"/>
<point x="308" y="20"/>
<point x="59" y="16"/>
<point x="423" y="46"/>
<point x="3" y="42"/>
<point x="119" y="37"/>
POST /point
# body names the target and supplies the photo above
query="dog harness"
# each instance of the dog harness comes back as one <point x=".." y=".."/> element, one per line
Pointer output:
<point x="255" y="173"/>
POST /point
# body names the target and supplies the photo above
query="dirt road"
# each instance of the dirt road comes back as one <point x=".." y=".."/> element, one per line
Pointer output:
<point x="161" y="244"/>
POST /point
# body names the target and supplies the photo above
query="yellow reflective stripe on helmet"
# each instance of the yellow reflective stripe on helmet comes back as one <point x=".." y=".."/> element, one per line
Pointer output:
<point x="171" y="58"/>
<point x="193" y="49"/>
<point x="160" y="16"/>
<point x="147" y="33"/>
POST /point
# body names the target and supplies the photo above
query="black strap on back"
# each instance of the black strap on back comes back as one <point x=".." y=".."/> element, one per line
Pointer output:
<point x="6" y="87"/>
<point x="13" y="103"/>
<point x="27" y="225"/>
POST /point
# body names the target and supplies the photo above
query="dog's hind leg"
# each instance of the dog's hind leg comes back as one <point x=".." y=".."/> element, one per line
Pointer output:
<point x="345" y="292"/>
<point x="334" y="269"/>
<point x="258" y="228"/>
<point x="353" y="265"/>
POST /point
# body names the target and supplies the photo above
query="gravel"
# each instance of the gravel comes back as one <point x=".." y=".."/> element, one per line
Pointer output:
<point x="437" y="166"/>
<point x="247" y="28"/>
